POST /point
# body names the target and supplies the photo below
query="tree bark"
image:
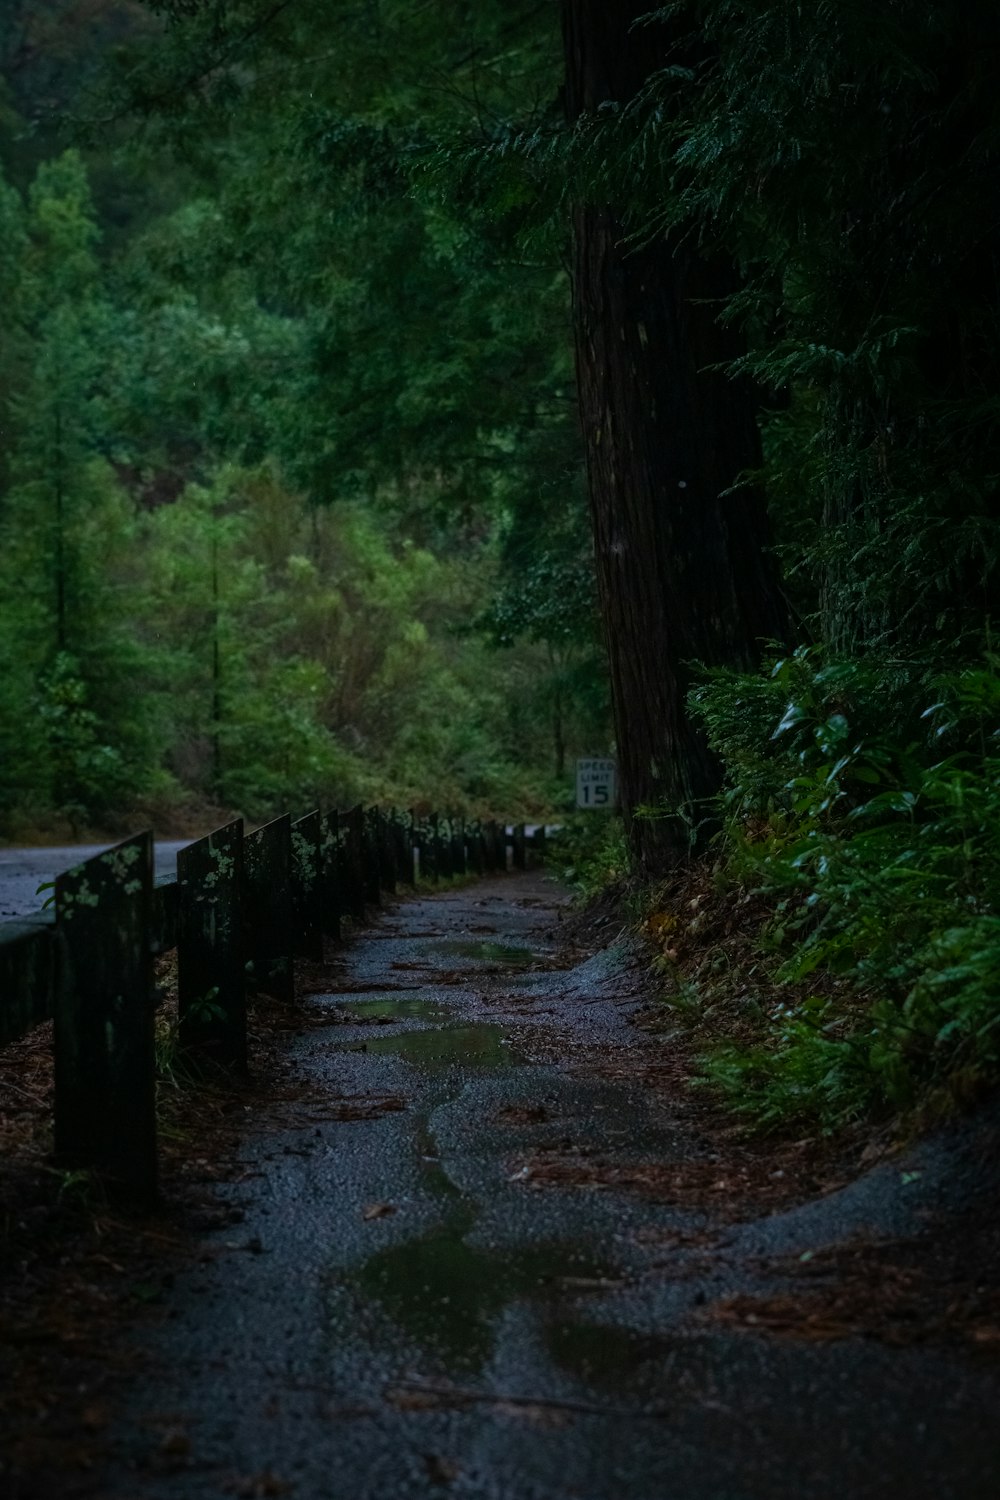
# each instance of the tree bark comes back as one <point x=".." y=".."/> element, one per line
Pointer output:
<point x="684" y="573"/>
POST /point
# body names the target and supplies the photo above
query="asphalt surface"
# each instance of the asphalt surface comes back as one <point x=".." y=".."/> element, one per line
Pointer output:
<point x="403" y="1311"/>
<point x="22" y="871"/>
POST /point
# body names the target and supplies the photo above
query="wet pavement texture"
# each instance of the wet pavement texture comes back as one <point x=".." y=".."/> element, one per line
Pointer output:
<point x="403" y="1313"/>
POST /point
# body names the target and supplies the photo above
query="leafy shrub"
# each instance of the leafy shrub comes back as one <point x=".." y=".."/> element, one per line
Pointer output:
<point x="864" y="803"/>
<point x="589" y="852"/>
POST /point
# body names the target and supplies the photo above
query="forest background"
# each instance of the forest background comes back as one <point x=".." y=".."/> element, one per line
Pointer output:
<point x="291" y="492"/>
<point x="295" y="483"/>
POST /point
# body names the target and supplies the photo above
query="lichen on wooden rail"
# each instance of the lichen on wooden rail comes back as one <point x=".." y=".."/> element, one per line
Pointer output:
<point x="307" y="885"/>
<point x="267" y="908"/>
<point x="332" y="869"/>
<point x="211" y="963"/>
<point x="105" y="1097"/>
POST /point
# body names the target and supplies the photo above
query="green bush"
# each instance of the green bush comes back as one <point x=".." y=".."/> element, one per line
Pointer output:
<point x="864" y="803"/>
<point x="589" y="852"/>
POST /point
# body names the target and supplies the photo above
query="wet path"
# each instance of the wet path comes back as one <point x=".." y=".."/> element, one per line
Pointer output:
<point x="405" y="1311"/>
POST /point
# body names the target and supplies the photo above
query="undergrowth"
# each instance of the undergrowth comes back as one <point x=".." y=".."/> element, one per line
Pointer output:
<point x="859" y="862"/>
<point x="588" y="852"/>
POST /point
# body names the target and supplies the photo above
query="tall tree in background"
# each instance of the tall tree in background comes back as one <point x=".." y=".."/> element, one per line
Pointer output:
<point x="72" y="734"/>
<point x="684" y="573"/>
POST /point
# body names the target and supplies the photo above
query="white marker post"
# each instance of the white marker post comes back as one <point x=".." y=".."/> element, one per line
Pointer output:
<point x="596" y="783"/>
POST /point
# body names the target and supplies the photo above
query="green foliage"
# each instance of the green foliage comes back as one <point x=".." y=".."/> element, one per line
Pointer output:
<point x="867" y="813"/>
<point x="74" y="735"/>
<point x="88" y="776"/>
<point x="273" y="440"/>
<point x="589" y="852"/>
<point x="318" y="662"/>
<point x="552" y="599"/>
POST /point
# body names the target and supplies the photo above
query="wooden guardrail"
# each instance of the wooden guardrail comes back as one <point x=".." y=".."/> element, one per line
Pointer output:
<point x="242" y="908"/>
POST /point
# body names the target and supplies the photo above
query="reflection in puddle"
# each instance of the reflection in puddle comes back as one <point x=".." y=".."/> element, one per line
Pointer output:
<point x="497" y="953"/>
<point x="601" y="1354"/>
<point x="473" y="1046"/>
<point x="447" y="1295"/>
<point x="388" y="1008"/>
<point x="433" y="1175"/>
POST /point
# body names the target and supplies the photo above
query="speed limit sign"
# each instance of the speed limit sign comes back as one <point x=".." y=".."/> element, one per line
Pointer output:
<point x="596" y="783"/>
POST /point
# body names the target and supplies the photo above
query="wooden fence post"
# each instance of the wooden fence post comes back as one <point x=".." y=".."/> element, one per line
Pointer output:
<point x="538" y="844"/>
<point x="458" y="863"/>
<point x="267" y="907"/>
<point x="386" y="843"/>
<point x="105" y="1085"/>
<point x="372" y="856"/>
<point x="27" y="969"/>
<point x="331" y="874"/>
<point x="428" y="848"/>
<point x="442" y="847"/>
<point x="476" y="846"/>
<point x="518" y="847"/>
<point x="211" y="964"/>
<point x="354" y="861"/>
<point x="403" y="828"/>
<point x="307" y="887"/>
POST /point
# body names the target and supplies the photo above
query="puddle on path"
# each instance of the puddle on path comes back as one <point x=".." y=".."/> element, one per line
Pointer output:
<point x="496" y="953"/>
<point x="447" y="1295"/>
<point x="387" y="1007"/>
<point x="603" y="1355"/>
<point x="470" y="1046"/>
<point x="433" y="1174"/>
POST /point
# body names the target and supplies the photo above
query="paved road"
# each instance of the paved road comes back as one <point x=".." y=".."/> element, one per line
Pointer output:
<point x="412" y="1306"/>
<point x="22" y="871"/>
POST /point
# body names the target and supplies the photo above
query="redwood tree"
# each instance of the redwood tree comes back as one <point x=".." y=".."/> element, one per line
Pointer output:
<point x="684" y="571"/>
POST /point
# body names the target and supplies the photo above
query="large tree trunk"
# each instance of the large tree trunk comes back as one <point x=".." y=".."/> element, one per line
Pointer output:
<point x="684" y="574"/>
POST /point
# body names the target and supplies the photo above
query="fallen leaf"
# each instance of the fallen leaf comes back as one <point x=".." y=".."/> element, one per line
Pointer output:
<point x="534" y="1412"/>
<point x="404" y="1400"/>
<point x="428" y="1398"/>
<point x="261" y="1486"/>
<point x="377" y="1210"/>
